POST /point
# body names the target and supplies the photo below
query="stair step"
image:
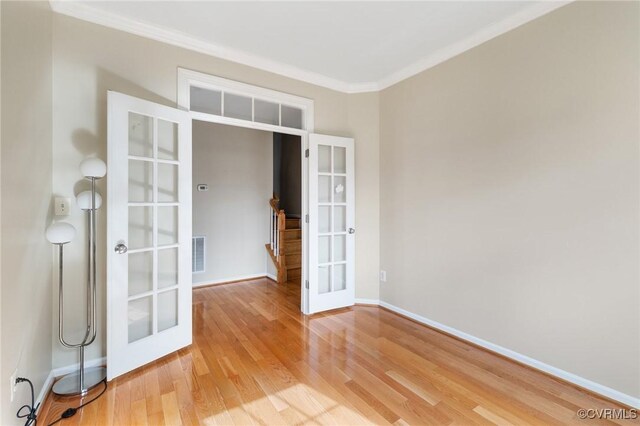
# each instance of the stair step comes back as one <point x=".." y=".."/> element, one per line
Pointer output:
<point x="292" y="234"/>
<point x="294" y="273"/>
<point x="292" y="223"/>
<point x="292" y="247"/>
<point x="293" y="260"/>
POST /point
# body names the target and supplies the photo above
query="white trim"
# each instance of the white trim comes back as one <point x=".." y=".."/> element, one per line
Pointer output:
<point x="44" y="391"/>
<point x="83" y="11"/>
<point x="361" y="301"/>
<point x="272" y="277"/>
<point x="524" y="359"/>
<point x="188" y="78"/>
<point x="62" y="371"/>
<point x="485" y="34"/>
<point x="229" y="279"/>
<point x="67" y="369"/>
<point x="516" y="356"/>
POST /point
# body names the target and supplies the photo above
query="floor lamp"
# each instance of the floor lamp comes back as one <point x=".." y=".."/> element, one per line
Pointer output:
<point x="81" y="382"/>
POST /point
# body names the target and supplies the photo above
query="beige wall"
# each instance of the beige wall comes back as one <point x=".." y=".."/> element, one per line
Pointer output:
<point x="90" y="59"/>
<point x="233" y="215"/>
<point x="510" y="196"/>
<point x="364" y="113"/>
<point x="25" y="155"/>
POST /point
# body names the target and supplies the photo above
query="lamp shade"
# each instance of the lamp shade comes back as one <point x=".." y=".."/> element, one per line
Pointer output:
<point x="60" y="233"/>
<point x="84" y="200"/>
<point x="93" y="168"/>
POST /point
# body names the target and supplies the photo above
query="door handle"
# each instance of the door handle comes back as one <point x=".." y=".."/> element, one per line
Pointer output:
<point x="120" y="248"/>
<point x="352" y="231"/>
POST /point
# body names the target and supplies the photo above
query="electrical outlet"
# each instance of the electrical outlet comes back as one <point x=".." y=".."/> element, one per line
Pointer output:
<point x="383" y="276"/>
<point x="13" y="378"/>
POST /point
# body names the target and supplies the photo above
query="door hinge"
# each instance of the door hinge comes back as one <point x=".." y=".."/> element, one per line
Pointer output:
<point x="306" y="284"/>
<point x="306" y="153"/>
<point x="306" y="218"/>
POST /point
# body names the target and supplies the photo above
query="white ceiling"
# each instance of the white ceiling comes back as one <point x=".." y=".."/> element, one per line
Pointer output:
<point x="346" y="46"/>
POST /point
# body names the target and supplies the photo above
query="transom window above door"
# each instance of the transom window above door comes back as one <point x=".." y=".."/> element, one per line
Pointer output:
<point x="263" y="108"/>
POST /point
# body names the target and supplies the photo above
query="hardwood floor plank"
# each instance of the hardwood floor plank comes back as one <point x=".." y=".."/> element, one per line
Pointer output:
<point x="255" y="359"/>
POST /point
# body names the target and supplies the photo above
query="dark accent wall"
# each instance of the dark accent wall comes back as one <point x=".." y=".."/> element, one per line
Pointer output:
<point x="287" y="173"/>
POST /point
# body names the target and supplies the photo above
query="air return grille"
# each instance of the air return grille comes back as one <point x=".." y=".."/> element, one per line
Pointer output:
<point x="197" y="254"/>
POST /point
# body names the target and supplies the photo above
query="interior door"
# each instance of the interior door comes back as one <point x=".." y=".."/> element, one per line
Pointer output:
<point x="331" y="222"/>
<point x="149" y="232"/>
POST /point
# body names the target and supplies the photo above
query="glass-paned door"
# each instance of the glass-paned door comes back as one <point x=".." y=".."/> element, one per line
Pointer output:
<point x="331" y="222"/>
<point x="149" y="232"/>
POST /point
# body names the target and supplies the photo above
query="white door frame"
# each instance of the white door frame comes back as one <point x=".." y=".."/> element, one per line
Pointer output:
<point x="188" y="78"/>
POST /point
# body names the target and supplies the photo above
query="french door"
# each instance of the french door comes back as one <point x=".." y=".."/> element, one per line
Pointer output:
<point x="331" y="223"/>
<point x="149" y="232"/>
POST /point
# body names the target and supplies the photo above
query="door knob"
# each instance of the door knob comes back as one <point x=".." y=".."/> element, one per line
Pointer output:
<point x="120" y="249"/>
<point x="352" y="231"/>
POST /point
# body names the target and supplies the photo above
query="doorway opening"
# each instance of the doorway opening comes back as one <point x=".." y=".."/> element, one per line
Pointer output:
<point x="217" y="100"/>
<point x="247" y="206"/>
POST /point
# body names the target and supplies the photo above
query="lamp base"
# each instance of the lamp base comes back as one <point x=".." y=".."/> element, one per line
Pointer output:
<point x="69" y="385"/>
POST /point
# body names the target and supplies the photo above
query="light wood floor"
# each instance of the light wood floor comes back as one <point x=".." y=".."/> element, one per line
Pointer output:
<point x="257" y="360"/>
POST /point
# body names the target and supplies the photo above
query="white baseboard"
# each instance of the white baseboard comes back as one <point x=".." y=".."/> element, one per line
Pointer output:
<point x="96" y="362"/>
<point x="228" y="280"/>
<point x="538" y="365"/>
<point x="61" y="371"/>
<point x="272" y="277"/>
<point x="360" y="301"/>
<point x="46" y="387"/>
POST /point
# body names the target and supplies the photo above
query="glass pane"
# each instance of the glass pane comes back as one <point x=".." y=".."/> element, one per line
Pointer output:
<point x="324" y="189"/>
<point x="324" y="249"/>
<point x="236" y="106"/>
<point x="324" y="279"/>
<point x="339" y="189"/>
<point x="340" y="219"/>
<point x="204" y="100"/>
<point x="266" y="112"/>
<point x="291" y="117"/>
<point x="167" y="225"/>
<point x="140" y="272"/>
<point x="167" y="183"/>
<point x="140" y="135"/>
<point x="339" y="248"/>
<point x="167" y="309"/>
<point x="339" y="160"/>
<point x="140" y="317"/>
<point x="167" y="267"/>
<point x="324" y="159"/>
<point x="324" y="219"/>
<point x="167" y="140"/>
<point x="140" y="181"/>
<point x="140" y="227"/>
<point x="339" y="277"/>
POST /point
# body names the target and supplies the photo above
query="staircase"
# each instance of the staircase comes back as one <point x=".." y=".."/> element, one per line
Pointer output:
<point x="285" y="246"/>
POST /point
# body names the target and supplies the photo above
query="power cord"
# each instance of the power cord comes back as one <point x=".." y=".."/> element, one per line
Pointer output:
<point x="70" y="412"/>
<point x="28" y="411"/>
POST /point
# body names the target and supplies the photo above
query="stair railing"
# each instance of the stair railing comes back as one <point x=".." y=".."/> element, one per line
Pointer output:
<point x="278" y="224"/>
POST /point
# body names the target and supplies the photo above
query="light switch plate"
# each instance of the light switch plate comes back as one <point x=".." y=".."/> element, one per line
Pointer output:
<point x="383" y="276"/>
<point x="62" y="206"/>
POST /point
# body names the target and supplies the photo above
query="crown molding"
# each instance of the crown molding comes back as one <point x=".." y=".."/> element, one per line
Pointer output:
<point x="487" y="33"/>
<point x="83" y="11"/>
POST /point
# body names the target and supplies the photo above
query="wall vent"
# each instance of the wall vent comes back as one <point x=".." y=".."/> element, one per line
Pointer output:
<point x="197" y="254"/>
